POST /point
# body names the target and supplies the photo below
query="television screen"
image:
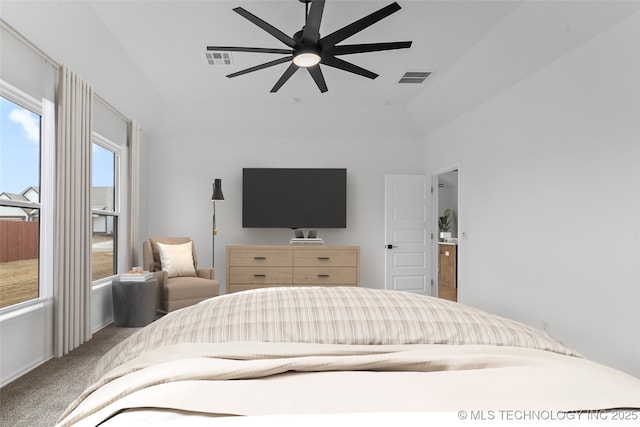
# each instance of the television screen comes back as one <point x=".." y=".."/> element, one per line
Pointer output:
<point x="294" y="198"/>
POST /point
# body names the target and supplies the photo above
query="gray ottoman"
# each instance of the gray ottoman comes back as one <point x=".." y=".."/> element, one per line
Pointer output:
<point x="134" y="303"/>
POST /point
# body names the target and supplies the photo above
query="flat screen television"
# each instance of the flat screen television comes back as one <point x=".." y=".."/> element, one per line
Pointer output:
<point x="294" y="198"/>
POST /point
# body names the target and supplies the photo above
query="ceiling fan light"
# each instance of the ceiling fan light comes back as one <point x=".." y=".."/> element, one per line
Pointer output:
<point x="306" y="59"/>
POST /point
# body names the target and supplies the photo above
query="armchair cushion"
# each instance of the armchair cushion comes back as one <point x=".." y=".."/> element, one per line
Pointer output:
<point x="152" y="251"/>
<point x="177" y="260"/>
<point x="181" y="292"/>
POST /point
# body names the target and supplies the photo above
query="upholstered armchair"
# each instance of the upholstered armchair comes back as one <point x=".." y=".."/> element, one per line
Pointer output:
<point x="174" y="264"/>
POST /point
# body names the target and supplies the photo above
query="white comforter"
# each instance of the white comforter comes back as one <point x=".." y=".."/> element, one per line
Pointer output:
<point x="343" y="350"/>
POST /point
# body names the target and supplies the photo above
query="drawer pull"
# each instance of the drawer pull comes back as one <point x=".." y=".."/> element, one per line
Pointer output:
<point x="259" y="275"/>
<point x="323" y="275"/>
<point x="323" y="257"/>
<point x="260" y="257"/>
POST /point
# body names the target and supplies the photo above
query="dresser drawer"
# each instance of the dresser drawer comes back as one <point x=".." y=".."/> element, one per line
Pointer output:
<point x="325" y="257"/>
<point x="239" y="288"/>
<point x="325" y="276"/>
<point x="258" y="257"/>
<point x="255" y="266"/>
<point x="261" y="275"/>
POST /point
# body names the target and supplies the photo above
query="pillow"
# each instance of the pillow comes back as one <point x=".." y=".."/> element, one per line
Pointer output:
<point x="177" y="260"/>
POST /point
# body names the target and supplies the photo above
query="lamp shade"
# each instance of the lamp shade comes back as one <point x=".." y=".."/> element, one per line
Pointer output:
<point x="217" y="190"/>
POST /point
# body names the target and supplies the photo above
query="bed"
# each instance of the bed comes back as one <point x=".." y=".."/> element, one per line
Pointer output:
<point x="340" y="352"/>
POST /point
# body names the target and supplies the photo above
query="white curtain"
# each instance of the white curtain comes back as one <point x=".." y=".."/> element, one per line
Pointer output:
<point x="72" y="264"/>
<point x="134" y="189"/>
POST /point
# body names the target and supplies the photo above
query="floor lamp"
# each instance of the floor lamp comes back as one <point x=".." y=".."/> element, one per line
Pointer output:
<point x="217" y="195"/>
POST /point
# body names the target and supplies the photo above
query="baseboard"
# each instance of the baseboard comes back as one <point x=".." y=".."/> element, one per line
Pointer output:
<point x="23" y="371"/>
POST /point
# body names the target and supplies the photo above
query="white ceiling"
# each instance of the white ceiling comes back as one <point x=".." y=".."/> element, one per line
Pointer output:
<point x="147" y="58"/>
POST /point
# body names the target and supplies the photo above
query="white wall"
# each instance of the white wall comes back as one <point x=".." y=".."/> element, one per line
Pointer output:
<point x="550" y="198"/>
<point x="26" y="339"/>
<point x="179" y="173"/>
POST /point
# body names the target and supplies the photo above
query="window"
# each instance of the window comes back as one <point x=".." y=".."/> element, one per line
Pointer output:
<point x="20" y="207"/>
<point x="105" y="208"/>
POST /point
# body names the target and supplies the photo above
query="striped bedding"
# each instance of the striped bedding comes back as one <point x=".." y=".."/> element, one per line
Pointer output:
<point x="286" y="349"/>
<point x="323" y="315"/>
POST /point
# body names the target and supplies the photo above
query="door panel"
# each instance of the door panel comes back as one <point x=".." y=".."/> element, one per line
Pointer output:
<point x="407" y="212"/>
<point x="408" y="259"/>
<point x="414" y="236"/>
<point x="408" y="247"/>
<point x="408" y="283"/>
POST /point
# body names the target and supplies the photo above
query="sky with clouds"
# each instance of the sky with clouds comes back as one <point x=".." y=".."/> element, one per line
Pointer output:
<point x="19" y="148"/>
<point x="20" y="151"/>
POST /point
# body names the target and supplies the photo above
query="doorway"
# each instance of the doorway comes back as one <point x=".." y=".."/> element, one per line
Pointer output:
<point x="446" y="212"/>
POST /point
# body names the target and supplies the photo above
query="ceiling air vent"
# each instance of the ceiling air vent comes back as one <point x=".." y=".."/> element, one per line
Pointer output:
<point x="219" y="58"/>
<point x="414" y="77"/>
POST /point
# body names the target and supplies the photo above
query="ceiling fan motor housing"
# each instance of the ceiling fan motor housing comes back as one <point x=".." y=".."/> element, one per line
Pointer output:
<point x="305" y="54"/>
<point x="306" y="49"/>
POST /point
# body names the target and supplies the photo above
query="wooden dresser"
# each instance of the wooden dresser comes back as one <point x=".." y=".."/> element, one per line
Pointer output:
<point x="448" y="271"/>
<point x="251" y="267"/>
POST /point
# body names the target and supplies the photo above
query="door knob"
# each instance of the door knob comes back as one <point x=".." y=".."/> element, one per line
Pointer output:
<point x="391" y="246"/>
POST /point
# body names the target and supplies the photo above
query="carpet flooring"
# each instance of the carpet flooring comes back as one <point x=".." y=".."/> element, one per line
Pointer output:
<point x="38" y="398"/>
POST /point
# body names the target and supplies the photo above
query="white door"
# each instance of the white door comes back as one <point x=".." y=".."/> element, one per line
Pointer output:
<point x="408" y="239"/>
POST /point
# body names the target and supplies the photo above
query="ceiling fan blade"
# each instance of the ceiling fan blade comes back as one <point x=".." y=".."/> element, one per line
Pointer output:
<point x="316" y="73"/>
<point x="286" y="76"/>
<point x="261" y="66"/>
<point x="266" y="26"/>
<point x="341" y="64"/>
<point x="367" y="47"/>
<point x="359" y="25"/>
<point x="248" y="49"/>
<point x="311" y="31"/>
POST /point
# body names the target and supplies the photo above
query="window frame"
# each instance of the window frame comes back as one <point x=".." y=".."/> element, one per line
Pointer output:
<point x="45" y="110"/>
<point x="116" y="149"/>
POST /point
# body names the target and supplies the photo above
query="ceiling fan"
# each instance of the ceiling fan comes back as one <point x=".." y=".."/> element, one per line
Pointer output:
<point x="306" y="49"/>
